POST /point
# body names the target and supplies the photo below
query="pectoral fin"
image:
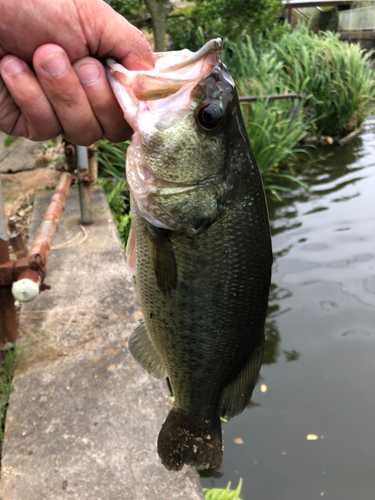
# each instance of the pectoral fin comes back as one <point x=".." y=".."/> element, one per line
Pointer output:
<point x="130" y="253"/>
<point x="238" y="393"/>
<point x="143" y="351"/>
<point x="163" y="259"/>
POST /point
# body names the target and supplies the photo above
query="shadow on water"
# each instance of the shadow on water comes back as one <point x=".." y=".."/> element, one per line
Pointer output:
<point x="320" y="316"/>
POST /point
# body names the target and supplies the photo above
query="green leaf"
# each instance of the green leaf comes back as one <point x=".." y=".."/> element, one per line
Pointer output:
<point x="223" y="494"/>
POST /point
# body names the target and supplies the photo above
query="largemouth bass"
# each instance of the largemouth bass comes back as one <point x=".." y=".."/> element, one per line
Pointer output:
<point x="199" y="246"/>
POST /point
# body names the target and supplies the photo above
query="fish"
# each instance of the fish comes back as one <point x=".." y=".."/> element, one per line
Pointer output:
<point x="199" y="245"/>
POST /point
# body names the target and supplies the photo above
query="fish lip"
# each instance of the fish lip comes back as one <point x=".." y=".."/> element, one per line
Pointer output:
<point x="211" y="47"/>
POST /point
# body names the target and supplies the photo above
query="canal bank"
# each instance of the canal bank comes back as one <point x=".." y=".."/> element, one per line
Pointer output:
<point x="83" y="418"/>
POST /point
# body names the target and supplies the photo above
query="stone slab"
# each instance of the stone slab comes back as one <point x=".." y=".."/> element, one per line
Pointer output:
<point x="20" y="155"/>
<point x="83" y="418"/>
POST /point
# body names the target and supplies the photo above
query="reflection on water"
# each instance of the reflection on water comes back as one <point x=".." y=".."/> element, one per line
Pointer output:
<point x="322" y="317"/>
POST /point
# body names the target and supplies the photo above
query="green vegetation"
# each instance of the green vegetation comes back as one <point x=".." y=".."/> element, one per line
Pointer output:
<point x="225" y="18"/>
<point x="111" y="159"/>
<point x="275" y="127"/>
<point x="9" y="139"/>
<point x="131" y="9"/>
<point x="337" y="77"/>
<point x="337" y="80"/>
<point x="118" y="199"/>
<point x="223" y="494"/>
<point x="111" y="162"/>
<point x="6" y="375"/>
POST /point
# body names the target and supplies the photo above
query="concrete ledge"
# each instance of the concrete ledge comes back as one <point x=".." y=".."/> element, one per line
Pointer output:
<point x="83" y="419"/>
<point x="18" y="156"/>
<point x="357" y="35"/>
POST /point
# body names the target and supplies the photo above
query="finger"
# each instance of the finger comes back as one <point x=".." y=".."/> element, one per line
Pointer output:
<point x="119" y="39"/>
<point x="9" y="111"/>
<point x="24" y="109"/>
<point x="104" y="105"/>
<point x="66" y="95"/>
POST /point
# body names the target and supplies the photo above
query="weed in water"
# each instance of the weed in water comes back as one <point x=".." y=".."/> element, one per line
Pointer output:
<point x="223" y="494"/>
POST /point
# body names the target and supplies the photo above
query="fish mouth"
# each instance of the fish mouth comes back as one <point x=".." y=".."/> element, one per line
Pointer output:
<point x="172" y="71"/>
<point x="175" y="72"/>
<point x="212" y="47"/>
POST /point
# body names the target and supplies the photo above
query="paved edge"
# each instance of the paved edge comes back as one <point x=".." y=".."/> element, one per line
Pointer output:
<point x="83" y="418"/>
<point x="19" y="156"/>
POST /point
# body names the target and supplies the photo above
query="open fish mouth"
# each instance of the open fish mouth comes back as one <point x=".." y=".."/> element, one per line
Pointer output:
<point x="172" y="71"/>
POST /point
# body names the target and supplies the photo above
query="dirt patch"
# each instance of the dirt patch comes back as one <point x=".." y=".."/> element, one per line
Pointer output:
<point x="19" y="188"/>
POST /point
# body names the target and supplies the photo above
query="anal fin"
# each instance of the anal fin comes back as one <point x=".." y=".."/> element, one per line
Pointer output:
<point x="143" y="351"/>
<point x="163" y="259"/>
<point x="238" y="393"/>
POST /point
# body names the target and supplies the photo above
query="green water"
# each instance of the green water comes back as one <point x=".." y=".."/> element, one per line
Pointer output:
<point x="319" y="365"/>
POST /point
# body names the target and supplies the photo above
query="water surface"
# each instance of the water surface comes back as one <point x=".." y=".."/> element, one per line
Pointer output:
<point x="319" y="366"/>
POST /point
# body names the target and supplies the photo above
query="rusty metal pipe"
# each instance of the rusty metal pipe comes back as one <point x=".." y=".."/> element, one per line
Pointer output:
<point x="272" y="97"/>
<point x="27" y="287"/>
<point x="8" y="318"/>
<point x="42" y="242"/>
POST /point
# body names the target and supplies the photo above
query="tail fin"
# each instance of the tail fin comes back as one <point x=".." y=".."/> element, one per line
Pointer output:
<point x="189" y="440"/>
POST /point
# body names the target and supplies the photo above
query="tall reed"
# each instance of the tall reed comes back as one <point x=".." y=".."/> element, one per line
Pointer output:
<point x="275" y="127"/>
<point x="338" y="75"/>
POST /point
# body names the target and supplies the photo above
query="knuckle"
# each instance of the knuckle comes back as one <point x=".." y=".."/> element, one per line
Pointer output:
<point x="9" y="112"/>
<point x="82" y="140"/>
<point x="116" y="136"/>
<point x="42" y="135"/>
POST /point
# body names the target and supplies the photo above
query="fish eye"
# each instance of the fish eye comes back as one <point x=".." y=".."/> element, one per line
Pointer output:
<point x="210" y="117"/>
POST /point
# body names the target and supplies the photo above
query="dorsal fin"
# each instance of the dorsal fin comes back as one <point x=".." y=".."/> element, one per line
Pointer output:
<point x="238" y="393"/>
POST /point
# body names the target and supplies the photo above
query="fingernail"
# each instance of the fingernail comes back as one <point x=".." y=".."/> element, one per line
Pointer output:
<point x="54" y="64"/>
<point x="14" y="66"/>
<point x="88" y="73"/>
<point x="134" y="63"/>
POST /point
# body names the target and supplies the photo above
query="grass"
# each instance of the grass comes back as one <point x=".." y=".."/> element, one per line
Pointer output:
<point x="111" y="159"/>
<point x="223" y="494"/>
<point x="275" y="127"/>
<point x="117" y="194"/>
<point x="6" y="376"/>
<point x="111" y="163"/>
<point x="337" y="76"/>
<point x="9" y="139"/>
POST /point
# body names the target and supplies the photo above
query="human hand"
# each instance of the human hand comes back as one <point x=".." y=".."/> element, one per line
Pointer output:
<point x="68" y="92"/>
